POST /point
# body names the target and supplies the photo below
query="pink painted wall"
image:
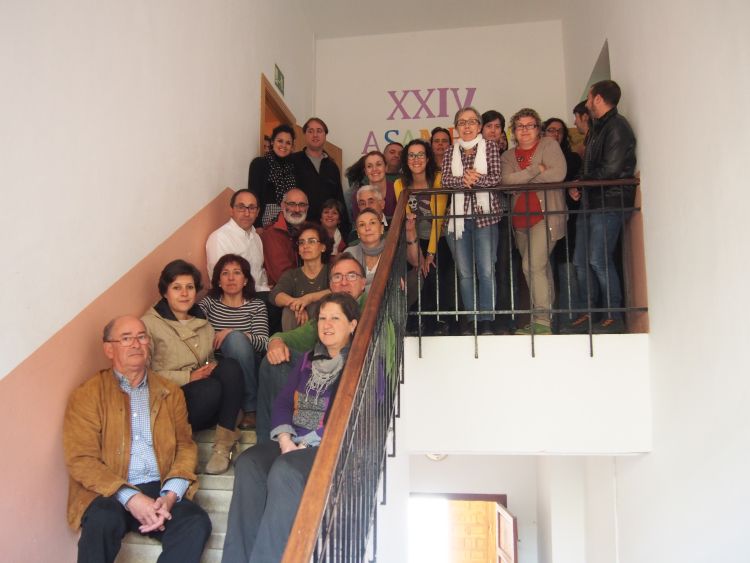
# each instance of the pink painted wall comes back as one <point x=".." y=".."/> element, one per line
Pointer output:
<point x="33" y="398"/>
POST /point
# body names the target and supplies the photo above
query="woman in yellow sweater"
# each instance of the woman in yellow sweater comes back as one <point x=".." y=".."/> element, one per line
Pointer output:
<point x="422" y="173"/>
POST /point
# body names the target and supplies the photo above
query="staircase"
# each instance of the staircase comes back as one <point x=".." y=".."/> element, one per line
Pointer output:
<point x="214" y="495"/>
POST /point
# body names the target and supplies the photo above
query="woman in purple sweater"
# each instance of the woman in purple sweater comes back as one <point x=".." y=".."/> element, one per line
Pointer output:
<point x="270" y="477"/>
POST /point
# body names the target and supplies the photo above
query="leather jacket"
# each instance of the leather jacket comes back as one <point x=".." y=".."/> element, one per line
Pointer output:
<point x="610" y="154"/>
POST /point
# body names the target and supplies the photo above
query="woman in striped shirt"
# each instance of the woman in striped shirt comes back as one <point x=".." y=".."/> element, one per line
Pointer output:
<point x="241" y="323"/>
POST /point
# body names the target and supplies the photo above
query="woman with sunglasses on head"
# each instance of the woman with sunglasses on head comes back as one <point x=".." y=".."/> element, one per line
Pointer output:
<point x="330" y="219"/>
<point x="474" y="162"/>
<point x="300" y="288"/>
<point x="536" y="159"/>
<point x="421" y="173"/>
<point x="270" y="477"/>
<point x="272" y="175"/>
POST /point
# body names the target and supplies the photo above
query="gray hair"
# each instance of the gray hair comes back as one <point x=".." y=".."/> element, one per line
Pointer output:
<point x="376" y="192"/>
<point x="464" y="109"/>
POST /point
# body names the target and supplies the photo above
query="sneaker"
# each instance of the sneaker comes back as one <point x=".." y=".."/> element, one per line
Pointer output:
<point x="610" y="326"/>
<point x="535" y="328"/>
<point x="578" y="326"/>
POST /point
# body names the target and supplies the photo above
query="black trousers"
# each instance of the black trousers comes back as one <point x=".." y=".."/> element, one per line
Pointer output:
<point x="106" y="521"/>
<point x="268" y="488"/>
<point x="216" y="399"/>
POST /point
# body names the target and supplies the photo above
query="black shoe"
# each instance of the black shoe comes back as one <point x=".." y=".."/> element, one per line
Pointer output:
<point x="441" y="329"/>
<point x="485" y="328"/>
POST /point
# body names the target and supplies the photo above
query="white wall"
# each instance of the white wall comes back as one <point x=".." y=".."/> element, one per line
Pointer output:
<point x="600" y="498"/>
<point x="508" y="402"/>
<point x="355" y="74"/>
<point x="683" y="70"/>
<point x="120" y="121"/>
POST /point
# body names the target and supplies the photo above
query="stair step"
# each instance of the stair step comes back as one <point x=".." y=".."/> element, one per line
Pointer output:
<point x="213" y="501"/>
<point x="207" y="436"/>
<point x="148" y="553"/>
<point x="223" y="482"/>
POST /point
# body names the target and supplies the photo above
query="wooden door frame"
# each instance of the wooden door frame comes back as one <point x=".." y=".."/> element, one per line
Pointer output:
<point x="271" y="100"/>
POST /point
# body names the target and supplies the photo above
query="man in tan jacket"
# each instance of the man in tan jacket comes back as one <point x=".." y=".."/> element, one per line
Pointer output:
<point x="131" y="457"/>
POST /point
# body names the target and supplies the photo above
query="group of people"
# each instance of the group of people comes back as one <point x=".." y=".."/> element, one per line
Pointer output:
<point x="286" y="264"/>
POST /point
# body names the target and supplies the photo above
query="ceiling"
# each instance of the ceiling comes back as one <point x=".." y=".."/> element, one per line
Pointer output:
<point x="349" y="18"/>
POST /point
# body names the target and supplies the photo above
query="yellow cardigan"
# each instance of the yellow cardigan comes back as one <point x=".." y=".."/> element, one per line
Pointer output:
<point x="438" y="203"/>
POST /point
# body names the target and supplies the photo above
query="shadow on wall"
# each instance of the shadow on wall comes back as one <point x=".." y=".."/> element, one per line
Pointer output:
<point x="33" y="397"/>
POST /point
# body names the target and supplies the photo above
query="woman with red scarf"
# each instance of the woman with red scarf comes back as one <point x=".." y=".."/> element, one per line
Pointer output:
<point x="535" y="159"/>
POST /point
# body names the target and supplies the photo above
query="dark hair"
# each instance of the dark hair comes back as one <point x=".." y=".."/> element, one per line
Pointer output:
<point x="322" y="123"/>
<point x="178" y="268"/>
<point x="283" y="128"/>
<point x="236" y="194"/>
<point x="345" y="256"/>
<point x="356" y="172"/>
<point x="431" y="167"/>
<point x="332" y="204"/>
<point x="393" y="143"/>
<point x="348" y="305"/>
<point x="609" y="90"/>
<point x="248" y="292"/>
<point x="581" y="109"/>
<point x="439" y="130"/>
<point x="492" y="115"/>
<point x="322" y="237"/>
<point x="565" y="142"/>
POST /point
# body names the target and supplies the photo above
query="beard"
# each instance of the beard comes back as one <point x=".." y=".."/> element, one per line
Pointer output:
<point x="294" y="217"/>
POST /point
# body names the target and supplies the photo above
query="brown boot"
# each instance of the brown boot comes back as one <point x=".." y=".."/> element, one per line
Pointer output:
<point x="224" y="444"/>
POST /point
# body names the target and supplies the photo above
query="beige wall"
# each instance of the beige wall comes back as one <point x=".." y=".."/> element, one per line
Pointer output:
<point x="33" y="397"/>
<point x="120" y="121"/>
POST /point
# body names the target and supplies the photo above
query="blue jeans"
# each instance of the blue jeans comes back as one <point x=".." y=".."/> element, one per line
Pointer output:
<point x="593" y="258"/>
<point x="476" y="249"/>
<point x="238" y="347"/>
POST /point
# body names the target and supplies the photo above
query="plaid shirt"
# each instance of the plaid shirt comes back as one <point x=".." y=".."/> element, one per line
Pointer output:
<point x="482" y="217"/>
<point x="143" y="467"/>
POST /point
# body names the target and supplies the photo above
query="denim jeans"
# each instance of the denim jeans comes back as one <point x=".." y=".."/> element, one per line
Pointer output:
<point x="476" y="250"/>
<point x="238" y="347"/>
<point x="597" y="235"/>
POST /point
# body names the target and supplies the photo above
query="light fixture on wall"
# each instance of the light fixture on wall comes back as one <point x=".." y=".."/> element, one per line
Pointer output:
<point x="436" y="457"/>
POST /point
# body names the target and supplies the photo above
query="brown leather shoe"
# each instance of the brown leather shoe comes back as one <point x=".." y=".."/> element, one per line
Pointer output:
<point x="248" y="421"/>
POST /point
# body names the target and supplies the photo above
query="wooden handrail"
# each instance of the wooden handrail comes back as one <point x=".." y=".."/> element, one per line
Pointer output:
<point x="305" y="530"/>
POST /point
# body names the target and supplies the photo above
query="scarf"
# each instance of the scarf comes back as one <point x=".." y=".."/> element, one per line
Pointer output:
<point x="456" y="225"/>
<point x="376" y="250"/>
<point x="324" y="370"/>
<point x="281" y="175"/>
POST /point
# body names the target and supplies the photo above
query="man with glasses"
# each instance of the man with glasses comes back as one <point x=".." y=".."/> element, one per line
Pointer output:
<point x="131" y="457"/>
<point x="238" y="236"/>
<point x="345" y="275"/>
<point x="278" y="238"/>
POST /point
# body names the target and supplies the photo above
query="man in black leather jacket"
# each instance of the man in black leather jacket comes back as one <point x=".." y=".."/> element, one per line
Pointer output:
<point x="610" y="155"/>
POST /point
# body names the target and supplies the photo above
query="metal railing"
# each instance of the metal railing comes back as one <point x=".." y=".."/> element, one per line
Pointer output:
<point x="572" y="301"/>
<point x="337" y="516"/>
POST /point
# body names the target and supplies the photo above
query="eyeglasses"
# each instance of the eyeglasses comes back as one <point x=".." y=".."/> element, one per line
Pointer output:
<point x="303" y="241"/>
<point x="128" y="339"/>
<point x="350" y="276"/>
<point x="464" y="122"/>
<point x="297" y="204"/>
<point x="246" y="208"/>
<point x="554" y="130"/>
<point x="527" y="127"/>
<point x="415" y="155"/>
